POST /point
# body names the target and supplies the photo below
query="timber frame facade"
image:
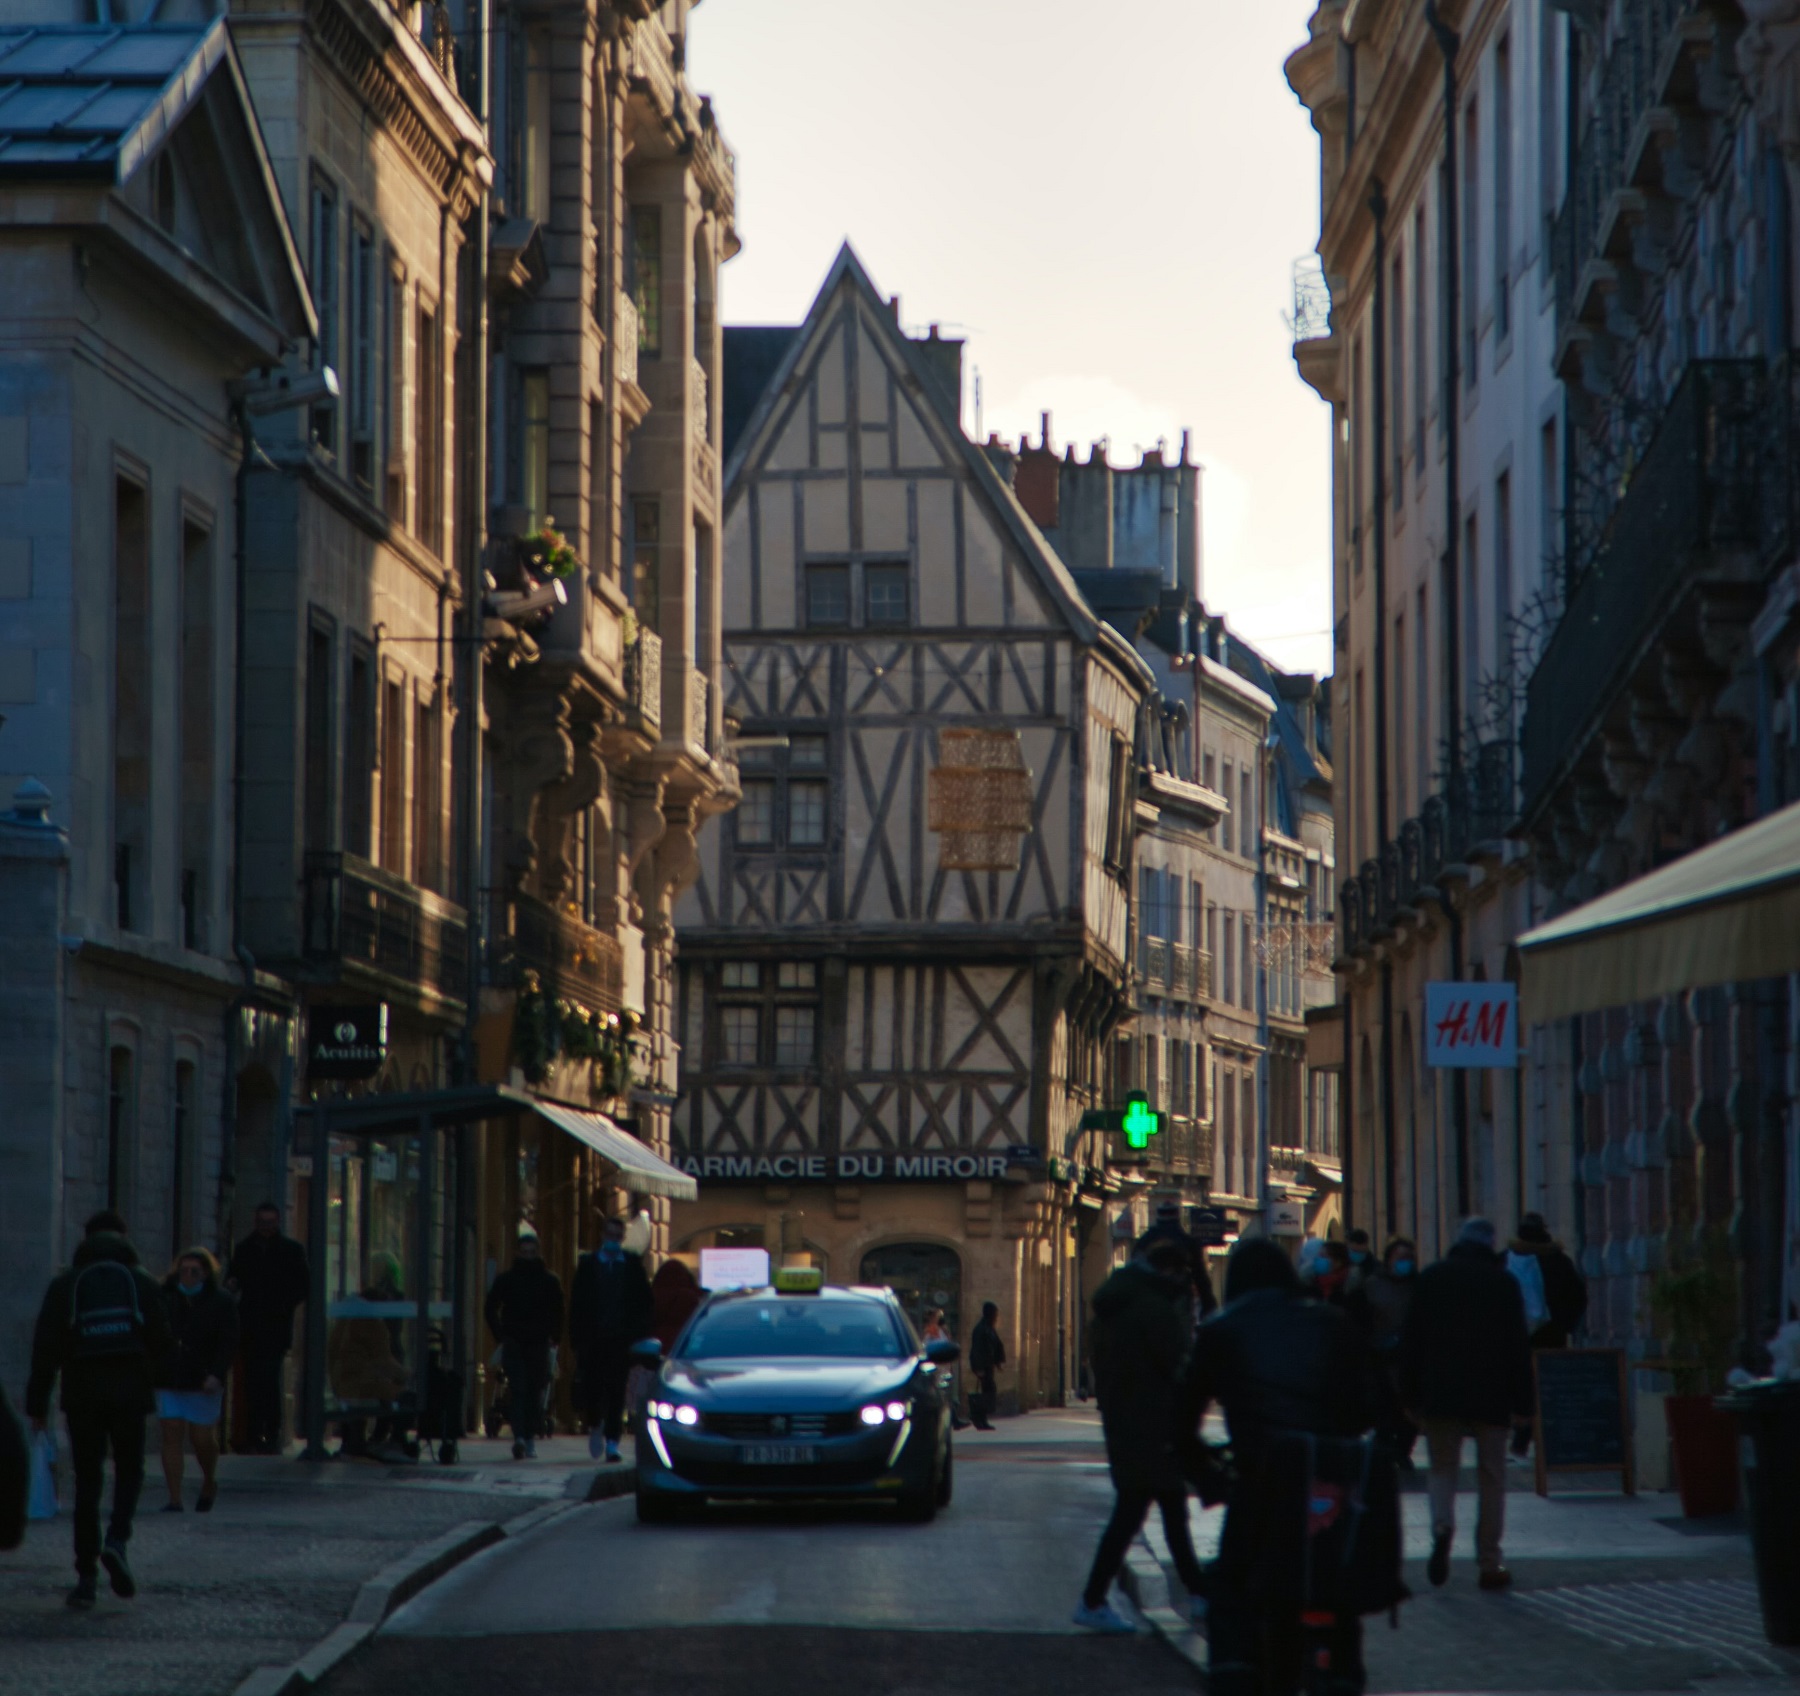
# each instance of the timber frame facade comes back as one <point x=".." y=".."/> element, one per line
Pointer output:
<point x="883" y="1058"/>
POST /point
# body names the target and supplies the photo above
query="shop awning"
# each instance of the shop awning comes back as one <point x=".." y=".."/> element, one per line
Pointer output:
<point x="1726" y="912"/>
<point x="641" y="1167"/>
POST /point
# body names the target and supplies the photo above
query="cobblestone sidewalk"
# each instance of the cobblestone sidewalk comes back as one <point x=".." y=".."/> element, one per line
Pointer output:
<point x="274" y="1568"/>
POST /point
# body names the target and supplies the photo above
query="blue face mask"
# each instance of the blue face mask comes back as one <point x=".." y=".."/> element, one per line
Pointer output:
<point x="192" y="1289"/>
<point x="1358" y="1256"/>
<point x="612" y="1251"/>
<point x="1403" y="1268"/>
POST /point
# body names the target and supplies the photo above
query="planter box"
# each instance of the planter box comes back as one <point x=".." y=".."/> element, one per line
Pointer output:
<point x="1703" y="1444"/>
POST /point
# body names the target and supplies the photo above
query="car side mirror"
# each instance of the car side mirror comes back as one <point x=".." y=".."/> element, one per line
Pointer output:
<point x="647" y="1351"/>
<point x="941" y="1351"/>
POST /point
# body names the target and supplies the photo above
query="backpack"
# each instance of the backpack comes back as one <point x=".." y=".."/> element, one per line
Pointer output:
<point x="1529" y="1271"/>
<point x="1327" y="1518"/>
<point x="105" y="1316"/>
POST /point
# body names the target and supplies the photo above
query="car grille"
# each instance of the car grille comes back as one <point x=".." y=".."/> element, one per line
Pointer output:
<point x="791" y="1427"/>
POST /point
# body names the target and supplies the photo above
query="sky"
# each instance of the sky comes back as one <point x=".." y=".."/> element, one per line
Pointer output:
<point x="1106" y="201"/>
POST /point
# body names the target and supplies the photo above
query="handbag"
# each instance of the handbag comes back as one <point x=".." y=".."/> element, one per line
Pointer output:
<point x="43" y="1502"/>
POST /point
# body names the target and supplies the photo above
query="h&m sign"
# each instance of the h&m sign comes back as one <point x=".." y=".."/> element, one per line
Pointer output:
<point x="346" y="1042"/>
<point x="1471" y="1024"/>
<point x="845" y="1168"/>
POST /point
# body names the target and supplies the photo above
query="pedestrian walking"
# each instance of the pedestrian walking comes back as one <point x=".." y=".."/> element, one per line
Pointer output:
<point x="937" y="1330"/>
<point x="609" y="1309"/>
<point x="1554" y="1293"/>
<point x="190" y="1377"/>
<point x="1380" y="1307"/>
<point x="987" y="1354"/>
<point x="101" y="1328"/>
<point x="1166" y="1227"/>
<point x="675" y="1296"/>
<point x="525" y="1314"/>
<point x="1278" y="1364"/>
<point x="268" y="1274"/>
<point x="1141" y="1333"/>
<point x="1465" y="1373"/>
<point x="1362" y="1264"/>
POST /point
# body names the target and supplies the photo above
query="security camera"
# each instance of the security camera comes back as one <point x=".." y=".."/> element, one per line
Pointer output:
<point x="515" y="604"/>
<point x="282" y="391"/>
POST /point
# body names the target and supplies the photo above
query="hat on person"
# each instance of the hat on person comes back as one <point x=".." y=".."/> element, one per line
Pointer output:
<point x="1479" y="1231"/>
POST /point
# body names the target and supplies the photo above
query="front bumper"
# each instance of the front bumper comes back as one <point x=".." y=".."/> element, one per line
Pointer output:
<point x="874" y="1465"/>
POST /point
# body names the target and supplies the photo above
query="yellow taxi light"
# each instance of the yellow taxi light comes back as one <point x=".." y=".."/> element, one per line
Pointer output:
<point x="799" y="1280"/>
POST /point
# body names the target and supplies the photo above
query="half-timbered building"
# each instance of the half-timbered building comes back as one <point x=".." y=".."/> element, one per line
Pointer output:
<point x="906" y="950"/>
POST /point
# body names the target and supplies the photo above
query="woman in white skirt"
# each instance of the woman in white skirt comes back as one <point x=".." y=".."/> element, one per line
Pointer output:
<point x="203" y="1332"/>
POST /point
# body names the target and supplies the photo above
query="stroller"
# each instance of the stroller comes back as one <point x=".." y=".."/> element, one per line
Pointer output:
<point x="494" y="1416"/>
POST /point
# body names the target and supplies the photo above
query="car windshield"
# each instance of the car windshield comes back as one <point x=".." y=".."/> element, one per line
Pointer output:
<point x="794" y="1326"/>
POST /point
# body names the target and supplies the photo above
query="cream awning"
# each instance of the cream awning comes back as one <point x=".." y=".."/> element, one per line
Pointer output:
<point x="1725" y="912"/>
<point x="641" y="1168"/>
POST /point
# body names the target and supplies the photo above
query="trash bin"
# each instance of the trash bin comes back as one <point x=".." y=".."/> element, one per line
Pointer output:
<point x="1768" y="1418"/>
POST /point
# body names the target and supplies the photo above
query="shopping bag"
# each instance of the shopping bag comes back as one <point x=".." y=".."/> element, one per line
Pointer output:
<point x="43" y="1503"/>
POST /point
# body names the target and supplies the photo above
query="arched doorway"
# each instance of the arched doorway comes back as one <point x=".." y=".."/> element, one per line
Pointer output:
<point x="922" y="1275"/>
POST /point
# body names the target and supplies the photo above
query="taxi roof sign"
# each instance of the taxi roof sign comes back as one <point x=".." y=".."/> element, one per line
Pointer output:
<point x="799" y="1280"/>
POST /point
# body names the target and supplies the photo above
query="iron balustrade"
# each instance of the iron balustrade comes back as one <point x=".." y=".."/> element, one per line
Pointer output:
<point x="1696" y="494"/>
<point x="569" y="957"/>
<point x="357" y="914"/>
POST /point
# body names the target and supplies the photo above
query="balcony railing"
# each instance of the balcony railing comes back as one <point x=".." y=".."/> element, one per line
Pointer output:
<point x="1696" y="493"/>
<point x="626" y="334"/>
<point x="698" y="729"/>
<point x="1153" y="962"/>
<point x="1181" y="969"/>
<point x="1312" y="299"/>
<point x="570" y="958"/>
<point x="359" y="915"/>
<point x="643" y="678"/>
<point x="698" y="404"/>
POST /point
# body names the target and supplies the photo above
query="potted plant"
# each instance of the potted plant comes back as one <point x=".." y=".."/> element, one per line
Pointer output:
<point x="1696" y="1303"/>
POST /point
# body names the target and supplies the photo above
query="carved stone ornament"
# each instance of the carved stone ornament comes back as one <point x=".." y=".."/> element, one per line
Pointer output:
<point x="1768" y="56"/>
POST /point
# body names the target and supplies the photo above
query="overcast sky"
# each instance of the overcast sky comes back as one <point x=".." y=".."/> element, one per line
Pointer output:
<point x="1106" y="200"/>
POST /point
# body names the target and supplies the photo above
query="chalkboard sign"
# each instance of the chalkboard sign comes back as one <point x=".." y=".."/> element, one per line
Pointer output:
<point x="1582" y="1418"/>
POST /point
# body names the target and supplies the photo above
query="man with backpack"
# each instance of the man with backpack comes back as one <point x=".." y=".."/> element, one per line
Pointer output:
<point x="102" y="1329"/>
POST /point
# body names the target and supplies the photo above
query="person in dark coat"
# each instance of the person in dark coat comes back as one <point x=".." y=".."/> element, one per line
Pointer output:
<point x="525" y="1314"/>
<point x="1380" y="1306"/>
<point x="190" y="1378"/>
<point x="101" y="1328"/>
<point x="1276" y="1362"/>
<point x="675" y="1294"/>
<point x="1465" y="1372"/>
<point x="1142" y="1329"/>
<point x="609" y="1310"/>
<point x="269" y="1275"/>
<point x="1564" y="1295"/>
<point x="1166" y="1227"/>
<point x="987" y="1354"/>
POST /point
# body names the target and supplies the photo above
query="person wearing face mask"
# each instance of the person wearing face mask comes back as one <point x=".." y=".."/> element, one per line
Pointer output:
<point x="1362" y="1261"/>
<point x="1380" y="1307"/>
<point x="610" y="1308"/>
<point x="190" y="1377"/>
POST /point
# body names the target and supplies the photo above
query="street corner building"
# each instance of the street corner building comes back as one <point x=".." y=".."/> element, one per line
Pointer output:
<point x="1558" y="348"/>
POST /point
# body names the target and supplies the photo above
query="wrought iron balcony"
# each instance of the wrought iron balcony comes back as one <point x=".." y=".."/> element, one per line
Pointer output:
<point x="1153" y="962"/>
<point x="570" y="958"/>
<point x="1697" y="495"/>
<point x="1181" y="970"/>
<point x="356" y="914"/>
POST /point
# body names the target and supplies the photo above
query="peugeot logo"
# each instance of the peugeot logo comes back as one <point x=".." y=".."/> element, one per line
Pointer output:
<point x="344" y="1031"/>
<point x="778" y="1425"/>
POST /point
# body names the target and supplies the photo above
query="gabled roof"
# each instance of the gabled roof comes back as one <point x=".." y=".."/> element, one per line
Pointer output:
<point x="1044" y="562"/>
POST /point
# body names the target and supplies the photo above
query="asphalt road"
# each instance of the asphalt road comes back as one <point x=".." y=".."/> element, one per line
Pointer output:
<point x="759" y="1602"/>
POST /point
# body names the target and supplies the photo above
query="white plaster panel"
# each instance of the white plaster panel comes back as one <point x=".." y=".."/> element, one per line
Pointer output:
<point x="827" y="518"/>
<point x="871" y="380"/>
<point x="828" y="376"/>
<point x="916" y="449"/>
<point x="776" y="511"/>
<point x="734" y="589"/>
<point x="884" y="515"/>
<point x="937" y="551"/>
<point x="982" y="564"/>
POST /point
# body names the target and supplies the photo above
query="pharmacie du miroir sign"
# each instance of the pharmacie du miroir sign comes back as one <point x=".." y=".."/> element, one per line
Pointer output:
<point x="845" y="1168"/>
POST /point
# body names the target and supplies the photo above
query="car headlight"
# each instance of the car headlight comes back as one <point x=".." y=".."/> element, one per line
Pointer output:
<point x="876" y="1414"/>
<point x="679" y="1412"/>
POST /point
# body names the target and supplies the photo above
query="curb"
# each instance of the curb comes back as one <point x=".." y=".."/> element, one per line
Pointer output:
<point x="1145" y="1580"/>
<point x="401" y="1580"/>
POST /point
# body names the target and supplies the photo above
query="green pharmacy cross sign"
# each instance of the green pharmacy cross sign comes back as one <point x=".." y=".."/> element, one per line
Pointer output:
<point x="1136" y="1120"/>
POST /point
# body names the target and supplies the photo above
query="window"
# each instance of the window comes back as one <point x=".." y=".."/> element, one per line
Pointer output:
<point x="794" y="1036"/>
<point x="739" y="1034"/>
<point x="362" y="354"/>
<point x="1503" y="143"/>
<point x="428" y="807"/>
<point x="196" y="704"/>
<point x="1421" y="699"/>
<point x="1225" y="790"/>
<point x="1549" y="93"/>
<point x="1196" y="913"/>
<point x="534" y="445"/>
<point x="1153" y="1070"/>
<point x="1502" y="570"/>
<point x="1228" y="976"/>
<point x="393" y="367"/>
<point x="1400" y="726"/>
<point x="132" y="777"/>
<point x="643" y="279"/>
<point x="646" y="564"/>
<point x="1359" y="768"/>
<point x="181" y="1156"/>
<point x="322" y="275"/>
<point x="1471" y="233"/>
<point x="797" y="974"/>
<point x="827" y="595"/>
<point x="121" y="1123"/>
<point x="1420" y="377"/>
<point x="1471" y="615"/>
<point x="1247" y="1150"/>
<point x="740" y="974"/>
<point x="359" y="750"/>
<point x="886" y="592"/>
<point x="1247" y="964"/>
<point x="428" y="419"/>
<point x="393" y="777"/>
<point x="1228" y="1130"/>
<point x="1397" y="375"/>
<point x="787" y="796"/>
<point x="1549" y="506"/>
<point x="1356" y="453"/>
<point x="534" y="143"/>
<point x="1118" y="807"/>
<point x="321" y="688"/>
<point x="1246" y="815"/>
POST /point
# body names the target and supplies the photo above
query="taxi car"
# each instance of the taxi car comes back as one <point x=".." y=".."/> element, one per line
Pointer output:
<point x="798" y="1389"/>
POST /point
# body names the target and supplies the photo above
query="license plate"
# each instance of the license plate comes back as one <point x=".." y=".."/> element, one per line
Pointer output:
<point x="777" y="1454"/>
